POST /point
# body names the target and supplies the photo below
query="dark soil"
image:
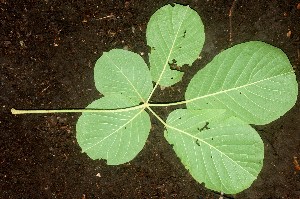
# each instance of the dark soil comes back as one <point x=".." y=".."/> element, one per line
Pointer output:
<point x="48" y="51"/>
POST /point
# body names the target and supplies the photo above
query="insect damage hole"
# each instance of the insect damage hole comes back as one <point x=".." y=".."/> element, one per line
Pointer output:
<point x="205" y="127"/>
<point x="184" y="34"/>
<point x="173" y="65"/>
<point x="197" y="142"/>
<point x="151" y="49"/>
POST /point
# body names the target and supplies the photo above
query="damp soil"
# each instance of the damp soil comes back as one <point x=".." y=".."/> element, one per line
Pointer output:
<point x="48" y="50"/>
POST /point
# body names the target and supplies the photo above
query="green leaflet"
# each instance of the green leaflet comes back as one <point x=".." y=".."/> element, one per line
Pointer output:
<point x="224" y="153"/>
<point x="253" y="81"/>
<point x="123" y="72"/>
<point x="175" y="35"/>
<point x="118" y="136"/>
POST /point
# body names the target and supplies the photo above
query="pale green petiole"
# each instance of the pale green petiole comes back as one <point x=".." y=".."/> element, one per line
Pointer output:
<point x="15" y="111"/>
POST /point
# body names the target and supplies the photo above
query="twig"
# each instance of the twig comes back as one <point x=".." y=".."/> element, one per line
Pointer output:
<point x="230" y="20"/>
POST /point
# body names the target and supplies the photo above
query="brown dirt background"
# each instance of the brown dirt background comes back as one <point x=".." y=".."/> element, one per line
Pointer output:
<point x="48" y="50"/>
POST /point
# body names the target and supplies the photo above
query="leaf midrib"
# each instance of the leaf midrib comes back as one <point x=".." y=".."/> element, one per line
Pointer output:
<point x="235" y="88"/>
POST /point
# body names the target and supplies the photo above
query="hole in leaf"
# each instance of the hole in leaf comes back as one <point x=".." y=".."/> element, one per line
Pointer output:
<point x="212" y="138"/>
<point x="171" y="77"/>
<point x="210" y="156"/>
<point x="125" y="127"/>
<point x="179" y="118"/>
<point x="184" y="33"/>
<point x="149" y="49"/>
<point x="197" y="142"/>
<point x="240" y="92"/>
<point x="173" y="65"/>
<point x="205" y="127"/>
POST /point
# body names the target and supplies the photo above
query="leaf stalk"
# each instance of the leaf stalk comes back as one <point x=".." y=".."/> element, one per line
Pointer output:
<point x="15" y="111"/>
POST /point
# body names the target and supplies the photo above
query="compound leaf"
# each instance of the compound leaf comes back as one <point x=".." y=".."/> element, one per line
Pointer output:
<point x="224" y="153"/>
<point x="253" y="81"/>
<point x="123" y="72"/>
<point x="116" y="136"/>
<point x="176" y="37"/>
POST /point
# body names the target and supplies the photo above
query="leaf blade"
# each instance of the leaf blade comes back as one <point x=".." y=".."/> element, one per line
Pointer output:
<point x="117" y="136"/>
<point x="123" y="72"/>
<point x="175" y="34"/>
<point x="260" y="91"/>
<point x="227" y="155"/>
